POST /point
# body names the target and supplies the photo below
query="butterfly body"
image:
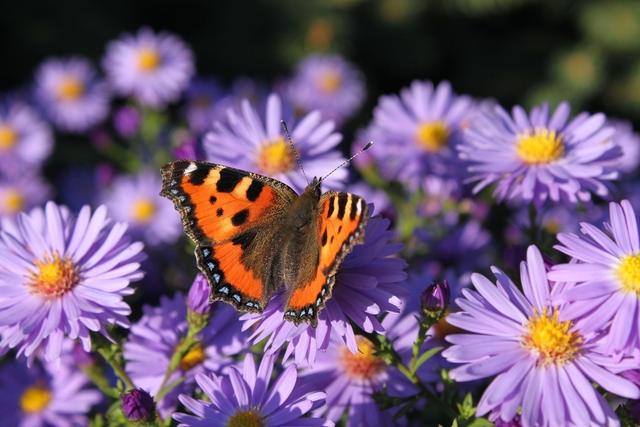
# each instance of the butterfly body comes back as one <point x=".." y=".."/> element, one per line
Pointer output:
<point x="255" y="236"/>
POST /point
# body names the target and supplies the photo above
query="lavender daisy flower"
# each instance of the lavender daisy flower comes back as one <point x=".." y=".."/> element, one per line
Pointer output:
<point x="418" y="131"/>
<point x="246" y="142"/>
<point x="605" y="269"/>
<point x="71" y="95"/>
<point x="153" y="67"/>
<point x="367" y="285"/>
<point x="629" y="142"/>
<point x="25" y="140"/>
<point x="44" y="396"/>
<point x="21" y="192"/>
<point x="329" y="84"/>
<point x="248" y="396"/>
<point x="63" y="276"/>
<point x="206" y="104"/>
<point x="540" y="156"/>
<point x="136" y="200"/>
<point x="543" y="364"/>
<point x="160" y="330"/>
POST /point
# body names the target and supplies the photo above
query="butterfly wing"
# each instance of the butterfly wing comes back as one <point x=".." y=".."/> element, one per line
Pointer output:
<point x="343" y="217"/>
<point x="229" y="214"/>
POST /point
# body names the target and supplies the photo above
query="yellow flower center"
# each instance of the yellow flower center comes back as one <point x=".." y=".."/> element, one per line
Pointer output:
<point x="433" y="136"/>
<point x="148" y="59"/>
<point x="330" y="81"/>
<point x="8" y="137"/>
<point x="551" y="339"/>
<point x="13" y="201"/>
<point x="143" y="210"/>
<point x="541" y="147"/>
<point x="54" y="276"/>
<point x="193" y="358"/>
<point x="249" y="418"/>
<point x="34" y="399"/>
<point x="70" y="88"/>
<point x="364" y="365"/>
<point x="276" y="157"/>
<point x="628" y="273"/>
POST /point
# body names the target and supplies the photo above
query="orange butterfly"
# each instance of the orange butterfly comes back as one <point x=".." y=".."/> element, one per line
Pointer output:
<point x="255" y="235"/>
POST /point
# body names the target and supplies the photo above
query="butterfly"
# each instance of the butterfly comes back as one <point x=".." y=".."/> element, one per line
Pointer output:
<point x="255" y="235"/>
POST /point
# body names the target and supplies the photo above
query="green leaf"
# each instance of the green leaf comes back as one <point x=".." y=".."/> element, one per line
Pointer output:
<point x="480" y="422"/>
<point x="426" y="356"/>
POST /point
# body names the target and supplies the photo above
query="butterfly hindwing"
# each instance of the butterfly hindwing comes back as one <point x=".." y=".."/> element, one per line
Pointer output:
<point x="341" y="224"/>
<point x="227" y="213"/>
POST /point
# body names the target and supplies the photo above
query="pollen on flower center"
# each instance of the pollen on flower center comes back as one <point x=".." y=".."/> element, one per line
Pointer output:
<point x="628" y="273"/>
<point x="148" y="59"/>
<point x="276" y="157"/>
<point x="193" y="358"/>
<point x="13" y="201"/>
<point x="551" y="339"/>
<point x="143" y="210"/>
<point x="247" y="418"/>
<point x="35" y="399"/>
<point x="363" y="365"/>
<point x="54" y="276"/>
<point x="8" y="137"/>
<point x="433" y="136"/>
<point x="330" y="81"/>
<point x="70" y="88"/>
<point x="540" y="147"/>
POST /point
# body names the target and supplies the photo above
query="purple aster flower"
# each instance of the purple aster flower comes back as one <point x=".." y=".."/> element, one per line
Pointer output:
<point x="71" y="95"/>
<point x="160" y="330"/>
<point x="629" y="142"/>
<point x="207" y="103"/>
<point x="41" y="396"/>
<point x="246" y="142"/>
<point x="153" y="67"/>
<point x="246" y="396"/>
<point x="136" y="200"/>
<point x="377" y="198"/>
<point x="543" y="363"/>
<point x="417" y="132"/>
<point x="25" y="140"/>
<point x="127" y="120"/>
<point x="329" y="84"/>
<point x="367" y="285"/>
<point x="22" y="192"/>
<point x="541" y="155"/>
<point x="605" y="277"/>
<point x="63" y="276"/>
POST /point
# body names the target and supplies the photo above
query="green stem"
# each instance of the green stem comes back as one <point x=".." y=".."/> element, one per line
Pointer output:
<point x="96" y="374"/>
<point x="116" y="366"/>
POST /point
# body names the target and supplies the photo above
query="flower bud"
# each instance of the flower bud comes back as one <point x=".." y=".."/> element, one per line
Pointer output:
<point x="435" y="298"/>
<point x="199" y="294"/>
<point x="137" y="405"/>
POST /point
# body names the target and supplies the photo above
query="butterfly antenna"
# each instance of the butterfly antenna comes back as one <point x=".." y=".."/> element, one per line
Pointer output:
<point x="346" y="162"/>
<point x="293" y="148"/>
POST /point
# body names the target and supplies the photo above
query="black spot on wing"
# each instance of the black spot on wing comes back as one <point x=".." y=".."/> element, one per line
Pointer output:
<point x="324" y="237"/>
<point x="212" y="199"/>
<point x="228" y="180"/>
<point x="240" y="217"/>
<point x="330" y="211"/>
<point x="342" y="204"/>
<point x="198" y="176"/>
<point x="354" y="208"/>
<point x="245" y="239"/>
<point x="254" y="190"/>
<point x="220" y="211"/>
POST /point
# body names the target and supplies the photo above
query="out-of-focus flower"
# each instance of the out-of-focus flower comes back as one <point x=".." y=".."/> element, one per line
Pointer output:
<point x="155" y="68"/>
<point x="543" y="364"/>
<point x="199" y="294"/>
<point x="126" y="121"/>
<point x="44" y="396"/>
<point x="136" y="200"/>
<point x="629" y="142"/>
<point x="206" y="104"/>
<point x="63" y="276"/>
<point x="378" y="198"/>
<point x="25" y="140"/>
<point x="248" y="396"/>
<point x="417" y="132"/>
<point x="137" y="405"/>
<point x="541" y="155"/>
<point x="71" y="94"/>
<point x="605" y="277"/>
<point x="161" y="329"/>
<point x="329" y="84"/>
<point x="21" y="192"/>
<point x="246" y="142"/>
<point x="368" y="283"/>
